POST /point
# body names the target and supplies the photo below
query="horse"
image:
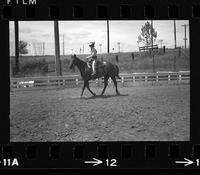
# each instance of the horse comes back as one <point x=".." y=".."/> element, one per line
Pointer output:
<point x="104" y="69"/>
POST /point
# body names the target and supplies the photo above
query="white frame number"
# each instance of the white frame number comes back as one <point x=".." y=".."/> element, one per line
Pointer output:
<point x="111" y="162"/>
<point x="197" y="160"/>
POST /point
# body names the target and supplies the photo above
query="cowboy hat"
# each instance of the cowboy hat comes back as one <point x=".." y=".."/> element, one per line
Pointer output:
<point x="91" y="43"/>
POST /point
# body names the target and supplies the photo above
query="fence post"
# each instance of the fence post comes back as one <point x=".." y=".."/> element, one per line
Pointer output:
<point x="133" y="79"/>
<point x="64" y="81"/>
<point x="18" y="86"/>
<point x="179" y="78"/>
<point x="157" y="77"/>
<point x="179" y="51"/>
<point x="163" y="49"/>
<point x="168" y="78"/>
<point x="76" y="81"/>
<point x="146" y="78"/>
<point x="132" y="55"/>
<point x="117" y="59"/>
<point x="48" y="82"/>
<point x="122" y="81"/>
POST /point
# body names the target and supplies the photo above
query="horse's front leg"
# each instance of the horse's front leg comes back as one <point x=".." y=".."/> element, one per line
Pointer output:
<point x="88" y="87"/>
<point x="105" y="84"/>
<point x="83" y="88"/>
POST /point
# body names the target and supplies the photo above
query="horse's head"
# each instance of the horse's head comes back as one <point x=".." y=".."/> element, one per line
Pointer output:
<point x="73" y="61"/>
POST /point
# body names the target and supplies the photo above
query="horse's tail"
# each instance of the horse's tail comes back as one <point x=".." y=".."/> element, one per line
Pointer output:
<point x="118" y="72"/>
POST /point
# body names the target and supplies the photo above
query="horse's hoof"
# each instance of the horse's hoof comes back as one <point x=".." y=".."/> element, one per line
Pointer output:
<point x="94" y="95"/>
<point x="118" y="93"/>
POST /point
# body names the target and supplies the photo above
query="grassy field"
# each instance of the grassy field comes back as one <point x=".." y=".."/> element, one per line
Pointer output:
<point x="143" y="62"/>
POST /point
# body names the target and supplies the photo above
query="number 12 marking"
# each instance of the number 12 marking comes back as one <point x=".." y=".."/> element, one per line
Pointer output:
<point x="111" y="162"/>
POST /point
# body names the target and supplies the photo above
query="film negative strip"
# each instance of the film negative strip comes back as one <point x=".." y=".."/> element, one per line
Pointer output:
<point x="141" y="109"/>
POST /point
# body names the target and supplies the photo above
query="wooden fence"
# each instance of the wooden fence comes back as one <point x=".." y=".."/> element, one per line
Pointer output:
<point x="75" y="80"/>
<point x="147" y="48"/>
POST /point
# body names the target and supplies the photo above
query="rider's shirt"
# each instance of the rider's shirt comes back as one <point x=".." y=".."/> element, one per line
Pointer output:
<point x="93" y="53"/>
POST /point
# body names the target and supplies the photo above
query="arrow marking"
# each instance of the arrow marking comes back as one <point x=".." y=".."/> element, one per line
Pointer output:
<point x="186" y="162"/>
<point x="95" y="162"/>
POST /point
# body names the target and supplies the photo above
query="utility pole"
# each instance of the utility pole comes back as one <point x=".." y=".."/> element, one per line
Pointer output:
<point x="185" y="25"/>
<point x="83" y="48"/>
<point x="152" y="46"/>
<point x="16" y="46"/>
<point x="161" y="43"/>
<point x="108" y="39"/>
<point x="100" y="47"/>
<point x="63" y="44"/>
<point x="152" y="34"/>
<point x="118" y="47"/>
<point x="174" y="34"/>
<point x="43" y="48"/>
<point x="57" y="49"/>
<point x="34" y="48"/>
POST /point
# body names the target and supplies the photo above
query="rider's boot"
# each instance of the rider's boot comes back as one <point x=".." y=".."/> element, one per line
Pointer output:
<point x="93" y="74"/>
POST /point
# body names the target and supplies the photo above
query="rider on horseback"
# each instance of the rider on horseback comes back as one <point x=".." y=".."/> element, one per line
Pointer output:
<point x="93" y="58"/>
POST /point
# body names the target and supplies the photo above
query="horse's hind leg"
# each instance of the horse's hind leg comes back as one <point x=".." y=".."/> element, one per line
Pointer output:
<point x="88" y="87"/>
<point x="105" y="84"/>
<point x="115" y="83"/>
<point x="83" y="88"/>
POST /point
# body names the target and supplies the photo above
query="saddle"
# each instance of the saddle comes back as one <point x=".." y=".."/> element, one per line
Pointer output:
<point x="99" y="66"/>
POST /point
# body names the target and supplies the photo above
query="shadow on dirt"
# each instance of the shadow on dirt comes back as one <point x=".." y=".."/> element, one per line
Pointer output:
<point x="103" y="96"/>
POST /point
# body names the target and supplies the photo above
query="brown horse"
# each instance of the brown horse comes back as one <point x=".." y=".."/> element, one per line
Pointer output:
<point x="104" y="69"/>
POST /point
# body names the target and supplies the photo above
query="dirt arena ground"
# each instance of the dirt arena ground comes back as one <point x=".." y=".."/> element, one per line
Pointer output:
<point x="141" y="113"/>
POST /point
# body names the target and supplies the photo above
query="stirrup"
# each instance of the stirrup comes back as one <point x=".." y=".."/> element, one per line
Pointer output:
<point x="93" y="75"/>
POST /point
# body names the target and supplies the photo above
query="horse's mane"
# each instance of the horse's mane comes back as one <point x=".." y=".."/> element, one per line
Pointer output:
<point x="80" y="59"/>
<point x="81" y="68"/>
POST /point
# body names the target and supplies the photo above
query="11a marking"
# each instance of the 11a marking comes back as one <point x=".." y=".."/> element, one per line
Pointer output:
<point x="10" y="162"/>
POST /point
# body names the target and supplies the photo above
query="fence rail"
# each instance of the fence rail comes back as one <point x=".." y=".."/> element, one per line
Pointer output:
<point x="145" y="48"/>
<point x="75" y="80"/>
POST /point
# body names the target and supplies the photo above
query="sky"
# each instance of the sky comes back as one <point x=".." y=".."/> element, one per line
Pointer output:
<point x="77" y="34"/>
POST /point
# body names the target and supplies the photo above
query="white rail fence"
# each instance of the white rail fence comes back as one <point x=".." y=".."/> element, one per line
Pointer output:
<point x="75" y="80"/>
